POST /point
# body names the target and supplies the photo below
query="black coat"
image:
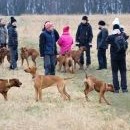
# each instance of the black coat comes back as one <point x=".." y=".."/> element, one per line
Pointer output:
<point x="101" y="39"/>
<point x="47" y="43"/>
<point x="114" y="55"/>
<point x="84" y="34"/>
<point x="12" y="37"/>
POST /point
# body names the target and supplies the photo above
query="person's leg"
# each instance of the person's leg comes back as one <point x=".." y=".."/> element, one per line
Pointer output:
<point x="88" y="57"/>
<point x="122" y="68"/>
<point x="16" y="55"/>
<point x="100" y="59"/>
<point x="47" y="64"/>
<point x="53" y="62"/>
<point x="82" y="60"/>
<point x="114" y="65"/>
<point x="104" y="59"/>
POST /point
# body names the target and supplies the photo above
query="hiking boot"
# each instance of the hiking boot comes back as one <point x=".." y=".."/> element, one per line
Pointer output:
<point x="116" y="91"/>
<point x="125" y="91"/>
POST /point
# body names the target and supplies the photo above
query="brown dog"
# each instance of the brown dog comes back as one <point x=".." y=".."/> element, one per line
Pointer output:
<point x="5" y="85"/>
<point x="92" y="83"/>
<point x="76" y="54"/>
<point x="3" y="53"/>
<point x="41" y="82"/>
<point x="26" y="53"/>
<point x="67" y="62"/>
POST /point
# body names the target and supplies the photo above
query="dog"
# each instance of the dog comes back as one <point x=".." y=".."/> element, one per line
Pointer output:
<point x="76" y="54"/>
<point x="92" y="83"/>
<point x="3" y="53"/>
<point x="42" y="82"/>
<point x="67" y="62"/>
<point x="29" y="52"/>
<point x="5" y="85"/>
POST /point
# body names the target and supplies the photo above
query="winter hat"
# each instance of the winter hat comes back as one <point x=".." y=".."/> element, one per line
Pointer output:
<point x="66" y="29"/>
<point x="48" y="25"/>
<point x="85" y="18"/>
<point x="102" y="23"/>
<point x="116" y="26"/>
<point x="13" y="20"/>
<point x="116" y="21"/>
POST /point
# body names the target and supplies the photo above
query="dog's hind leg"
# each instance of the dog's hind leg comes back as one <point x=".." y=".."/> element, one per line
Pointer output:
<point x="34" y="60"/>
<point x="27" y="62"/>
<point x="5" y="96"/>
<point x="36" y="94"/>
<point x="68" y="96"/>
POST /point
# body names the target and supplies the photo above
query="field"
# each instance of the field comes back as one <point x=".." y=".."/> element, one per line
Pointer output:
<point x="21" y="112"/>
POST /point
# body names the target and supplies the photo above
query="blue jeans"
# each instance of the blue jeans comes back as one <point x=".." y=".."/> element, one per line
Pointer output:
<point x="13" y="57"/>
<point x="49" y="64"/>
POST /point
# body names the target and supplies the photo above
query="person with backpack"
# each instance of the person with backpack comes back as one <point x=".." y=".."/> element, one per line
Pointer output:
<point x="102" y="45"/>
<point x="3" y="33"/>
<point x="84" y="37"/>
<point x="13" y="44"/>
<point x="65" y="41"/>
<point x="118" y="49"/>
<point x="47" y="47"/>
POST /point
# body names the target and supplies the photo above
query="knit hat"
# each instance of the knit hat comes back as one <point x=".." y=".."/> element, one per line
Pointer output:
<point x="116" y="21"/>
<point x="85" y="18"/>
<point x="12" y="19"/>
<point x="116" y="26"/>
<point x="66" y="29"/>
<point x="48" y="25"/>
<point x="102" y="23"/>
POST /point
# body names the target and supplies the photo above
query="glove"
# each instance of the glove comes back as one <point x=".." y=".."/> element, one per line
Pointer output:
<point x="90" y="44"/>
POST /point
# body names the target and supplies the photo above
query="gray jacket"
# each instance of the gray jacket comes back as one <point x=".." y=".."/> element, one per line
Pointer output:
<point x="3" y="35"/>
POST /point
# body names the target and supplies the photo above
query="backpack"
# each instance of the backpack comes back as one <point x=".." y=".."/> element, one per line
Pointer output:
<point x="121" y="43"/>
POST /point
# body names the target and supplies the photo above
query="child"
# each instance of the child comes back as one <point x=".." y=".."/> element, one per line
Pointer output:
<point x="65" y="41"/>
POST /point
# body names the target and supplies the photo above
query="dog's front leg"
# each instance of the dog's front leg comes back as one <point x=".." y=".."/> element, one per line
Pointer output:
<point x="40" y="94"/>
<point x="36" y="94"/>
<point x="27" y="62"/>
<point x="5" y="96"/>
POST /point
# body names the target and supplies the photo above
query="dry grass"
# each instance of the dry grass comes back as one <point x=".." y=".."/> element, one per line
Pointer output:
<point x="21" y="112"/>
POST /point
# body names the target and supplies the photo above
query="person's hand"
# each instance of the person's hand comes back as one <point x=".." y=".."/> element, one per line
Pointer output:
<point x="90" y="44"/>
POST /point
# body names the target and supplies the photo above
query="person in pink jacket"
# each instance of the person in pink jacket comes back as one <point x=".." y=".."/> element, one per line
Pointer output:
<point x="65" y="41"/>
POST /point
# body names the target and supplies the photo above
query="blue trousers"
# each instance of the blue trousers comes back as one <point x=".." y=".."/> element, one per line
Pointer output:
<point x="13" y="57"/>
<point x="49" y="64"/>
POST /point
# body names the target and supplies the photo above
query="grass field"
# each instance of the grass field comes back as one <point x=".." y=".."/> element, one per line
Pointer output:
<point x="21" y="112"/>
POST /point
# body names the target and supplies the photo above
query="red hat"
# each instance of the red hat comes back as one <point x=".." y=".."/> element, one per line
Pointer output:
<point x="66" y="29"/>
<point x="48" y="25"/>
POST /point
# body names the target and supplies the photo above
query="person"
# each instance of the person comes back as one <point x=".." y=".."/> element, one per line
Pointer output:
<point x="47" y="47"/>
<point x="65" y="41"/>
<point x="13" y="44"/>
<point x="3" y="33"/>
<point x="118" y="58"/>
<point x="10" y="22"/>
<point x="84" y="36"/>
<point x="102" y="45"/>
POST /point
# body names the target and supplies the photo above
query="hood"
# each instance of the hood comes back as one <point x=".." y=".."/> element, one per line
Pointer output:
<point x="116" y="31"/>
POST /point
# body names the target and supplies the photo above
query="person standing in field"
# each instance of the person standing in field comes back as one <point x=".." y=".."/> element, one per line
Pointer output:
<point x="102" y="45"/>
<point x="84" y="37"/>
<point x="47" y="47"/>
<point x="3" y="33"/>
<point x="65" y="41"/>
<point x="118" y="58"/>
<point x="13" y="44"/>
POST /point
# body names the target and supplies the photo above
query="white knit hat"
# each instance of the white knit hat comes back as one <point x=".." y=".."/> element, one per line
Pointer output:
<point x="116" y="21"/>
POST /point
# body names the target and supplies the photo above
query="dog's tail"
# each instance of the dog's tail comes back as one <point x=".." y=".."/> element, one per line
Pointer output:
<point x="68" y="78"/>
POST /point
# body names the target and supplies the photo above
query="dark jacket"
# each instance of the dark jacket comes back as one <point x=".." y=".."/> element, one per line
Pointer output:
<point x="115" y="55"/>
<point x="12" y="37"/>
<point x="101" y="39"/>
<point x="84" y="34"/>
<point x="47" y="43"/>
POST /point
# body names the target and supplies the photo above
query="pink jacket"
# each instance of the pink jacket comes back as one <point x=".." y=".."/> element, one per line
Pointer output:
<point x="65" y="42"/>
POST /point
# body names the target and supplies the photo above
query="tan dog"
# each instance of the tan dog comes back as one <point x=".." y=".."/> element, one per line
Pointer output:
<point x="41" y="82"/>
<point x="5" y="85"/>
<point x="92" y="83"/>
<point x="67" y="62"/>
<point x="76" y="54"/>
<point x="26" y="53"/>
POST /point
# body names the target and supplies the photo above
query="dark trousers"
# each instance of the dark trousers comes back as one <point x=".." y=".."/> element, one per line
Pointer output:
<point x="119" y="65"/>
<point x="49" y="64"/>
<point x="88" y="57"/>
<point x="13" y="57"/>
<point x="102" y="60"/>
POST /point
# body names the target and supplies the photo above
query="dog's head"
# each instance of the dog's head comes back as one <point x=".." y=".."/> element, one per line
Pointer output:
<point x="31" y="70"/>
<point x="15" y="82"/>
<point x="110" y="87"/>
<point x="82" y="48"/>
<point x="23" y="49"/>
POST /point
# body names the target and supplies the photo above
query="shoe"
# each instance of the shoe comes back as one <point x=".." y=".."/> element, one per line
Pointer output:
<point x="116" y="91"/>
<point x="99" y="69"/>
<point x="81" y="68"/>
<point x="125" y="91"/>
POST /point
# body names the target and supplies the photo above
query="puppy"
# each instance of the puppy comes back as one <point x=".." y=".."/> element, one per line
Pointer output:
<point x="92" y="83"/>
<point x="5" y="85"/>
